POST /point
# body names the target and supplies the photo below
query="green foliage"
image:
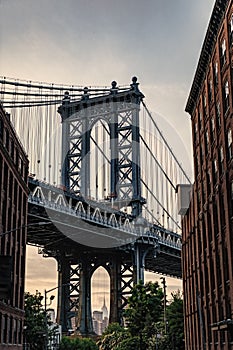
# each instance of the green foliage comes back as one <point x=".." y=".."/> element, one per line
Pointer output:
<point x="175" y="319"/>
<point x="144" y="320"/>
<point x="131" y="343"/>
<point x="174" y="339"/>
<point x="35" y="323"/>
<point x="112" y="337"/>
<point x="77" y="344"/>
<point x="145" y="308"/>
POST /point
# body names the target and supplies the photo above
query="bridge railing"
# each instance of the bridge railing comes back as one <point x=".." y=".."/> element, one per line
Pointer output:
<point x="107" y="218"/>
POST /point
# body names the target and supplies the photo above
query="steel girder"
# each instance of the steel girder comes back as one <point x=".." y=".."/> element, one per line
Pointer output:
<point x="75" y="271"/>
<point x="121" y="112"/>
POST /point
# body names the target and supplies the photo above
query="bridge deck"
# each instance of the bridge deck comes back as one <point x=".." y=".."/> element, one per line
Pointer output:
<point x="54" y="223"/>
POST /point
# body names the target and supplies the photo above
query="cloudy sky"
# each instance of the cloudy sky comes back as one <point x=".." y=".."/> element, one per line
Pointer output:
<point x="92" y="42"/>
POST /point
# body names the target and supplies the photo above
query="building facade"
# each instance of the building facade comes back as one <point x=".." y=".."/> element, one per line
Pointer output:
<point x="207" y="252"/>
<point x="100" y="319"/>
<point x="13" y="219"/>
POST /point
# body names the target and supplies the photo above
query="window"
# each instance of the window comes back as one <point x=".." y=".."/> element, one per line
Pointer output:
<point x="195" y="132"/>
<point x="208" y="180"/>
<point x="205" y="105"/>
<point x="215" y="170"/>
<point x="202" y="155"/>
<point x="222" y="210"/>
<point x="229" y="143"/>
<point x="212" y="128"/>
<point x="226" y="96"/>
<point x="231" y="30"/>
<point x="218" y="115"/>
<point x="223" y="53"/>
<point x="216" y="73"/>
<point x="215" y="218"/>
<point x="12" y="150"/>
<point x="199" y="200"/>
<point x="206" y="141"/>
<point x="221" y="158"/>
<point x="200" y="119"/>
<point x="7" y="140"/>
<point x="210" y="90"/>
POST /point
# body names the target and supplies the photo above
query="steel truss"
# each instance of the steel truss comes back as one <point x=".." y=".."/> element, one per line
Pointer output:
<point x="120" y="110"/>
<point x="75" y="271"/>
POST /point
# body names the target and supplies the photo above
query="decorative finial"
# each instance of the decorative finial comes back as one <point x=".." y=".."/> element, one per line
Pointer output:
<point x="114" y="88"/>
<point x="66" y="98"/>
<point x="134" y="85"/>
<point x="85" y="95"/>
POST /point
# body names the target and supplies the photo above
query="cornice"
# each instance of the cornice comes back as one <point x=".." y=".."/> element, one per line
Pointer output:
<point x="206" y="53"/>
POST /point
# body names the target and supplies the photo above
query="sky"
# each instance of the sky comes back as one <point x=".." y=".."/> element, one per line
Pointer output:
<point x="93" y="42"/>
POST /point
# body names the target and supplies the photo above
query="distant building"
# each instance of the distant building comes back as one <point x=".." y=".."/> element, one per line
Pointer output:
<point x="55" y="331"/>
<point x="104" y="310"/>
<point x="207" y="252"/>
<point x="97" y="322"/>
<point x="51" y="315"/>
<point x="13" y="218"/>
<point x="100" y="319"/>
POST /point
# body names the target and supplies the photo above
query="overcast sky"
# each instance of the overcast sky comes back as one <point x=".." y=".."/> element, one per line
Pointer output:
<point x="92" y="42"/>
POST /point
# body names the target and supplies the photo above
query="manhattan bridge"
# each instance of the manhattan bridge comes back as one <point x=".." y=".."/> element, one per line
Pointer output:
<point x="102" y="186"/>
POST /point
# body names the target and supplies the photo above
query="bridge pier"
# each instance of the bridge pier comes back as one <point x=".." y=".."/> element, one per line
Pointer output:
<point x="74" y="281"/>
<point x="139" y="256"/>
<point x="76" y="265"/>
<point x="84" y="320"/>
<point x="64" y="302"/>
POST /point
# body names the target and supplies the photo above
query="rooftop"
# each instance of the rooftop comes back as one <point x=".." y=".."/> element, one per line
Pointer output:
<point x="206" y="52"/>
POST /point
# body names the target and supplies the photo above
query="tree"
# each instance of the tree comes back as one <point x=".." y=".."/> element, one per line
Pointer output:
<point x="112" y="337"/>
<point x="145" y="322"/>
<point x="77" y="344"/>
<point x="174" y="339"/>
<point x="175" y="317"/>
<point x="145" y="310"/>
<point x="36" y="323"/>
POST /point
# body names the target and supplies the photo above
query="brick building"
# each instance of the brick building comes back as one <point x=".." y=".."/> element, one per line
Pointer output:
<point x="13" y="218"/>
<point x="208" y="224"/>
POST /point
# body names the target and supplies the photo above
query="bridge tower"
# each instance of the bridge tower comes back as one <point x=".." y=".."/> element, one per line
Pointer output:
<point x="120" y="112"/>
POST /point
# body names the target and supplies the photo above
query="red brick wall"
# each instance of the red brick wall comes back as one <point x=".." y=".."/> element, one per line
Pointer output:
<point x="13" y="210"/>
<point x="208" y="225"/>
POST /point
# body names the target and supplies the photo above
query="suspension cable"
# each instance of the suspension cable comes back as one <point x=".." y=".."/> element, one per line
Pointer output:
<point x="164" y="140"/>
<point x="160" y="167"/>
<point x="152" y="194"/>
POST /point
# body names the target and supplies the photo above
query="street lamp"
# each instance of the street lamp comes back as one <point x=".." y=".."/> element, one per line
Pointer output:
<point x="45" y="308"/>
<point x="45" y="313"/>
<point x="164" y="303"/>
